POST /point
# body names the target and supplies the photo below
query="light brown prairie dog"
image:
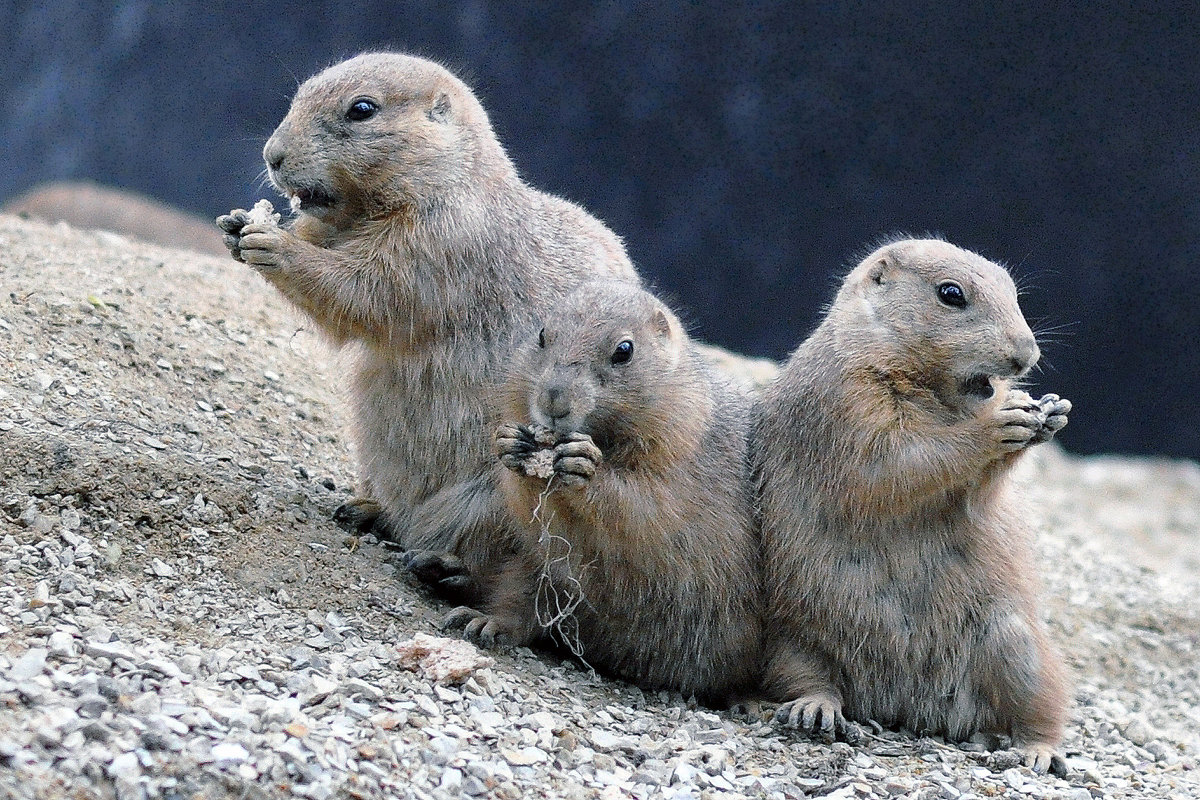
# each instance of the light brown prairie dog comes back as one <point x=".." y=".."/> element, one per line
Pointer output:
<point x="86" y="204"/>
<point x="416" y="242"/>
<point x="899" y="579"/>
<point x="640" y="548"/>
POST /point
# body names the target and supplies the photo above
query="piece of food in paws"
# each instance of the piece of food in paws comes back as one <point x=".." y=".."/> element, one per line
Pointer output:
<point x="263" y="213"/>
<point x="540" y="463"/>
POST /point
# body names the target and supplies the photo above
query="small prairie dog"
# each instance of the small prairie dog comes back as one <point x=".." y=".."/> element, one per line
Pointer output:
<point x="899" y="579"/>
<point x="416" y="242"/>
<point x="86" y="204"/>
<point x="625" y="455"/>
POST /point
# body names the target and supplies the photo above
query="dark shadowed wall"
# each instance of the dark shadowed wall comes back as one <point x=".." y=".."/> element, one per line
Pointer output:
<point x="747" y="152"/>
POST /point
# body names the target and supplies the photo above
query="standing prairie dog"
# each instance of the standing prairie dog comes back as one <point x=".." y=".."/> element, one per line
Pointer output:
<point x="415" y="241"/>
<point x="640" y="549"/>
<point x="899" y="580"/>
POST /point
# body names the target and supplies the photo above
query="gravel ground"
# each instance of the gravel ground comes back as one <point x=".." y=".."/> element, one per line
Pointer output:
<point x="180" y="618"/>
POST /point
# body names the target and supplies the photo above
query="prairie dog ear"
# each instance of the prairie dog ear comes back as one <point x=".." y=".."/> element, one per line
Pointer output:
<point x="440" y="110"/>
<point x="879" y="270"/>
<point x="671" y="333"/>
<point x="867" y="285"/>
<point x="661" y="323"/>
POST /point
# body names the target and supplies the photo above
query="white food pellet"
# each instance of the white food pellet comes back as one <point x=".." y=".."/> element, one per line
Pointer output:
<point x="263" y="213"/>
<point x="540" y="464"/>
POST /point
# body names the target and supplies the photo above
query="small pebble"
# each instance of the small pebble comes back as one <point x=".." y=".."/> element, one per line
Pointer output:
<point x="29" y="665"/>
<point x="61" y="645"/>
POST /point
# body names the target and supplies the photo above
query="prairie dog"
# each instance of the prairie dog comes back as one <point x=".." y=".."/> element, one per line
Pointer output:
<point x="899" y="579"/>
<point x="416" y="242"/>
<point x="640" y="548"/>
<point x="86" y="204"/>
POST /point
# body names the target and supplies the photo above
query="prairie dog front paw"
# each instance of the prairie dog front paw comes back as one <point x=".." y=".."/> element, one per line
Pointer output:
<point x="1017" y="422"/>
<point x="254" y="237"/>
<point x="513" y="445"/>
<point x="528" y="449"/>
<point x="1056" y="410"/>
<point x="576" y="458"/>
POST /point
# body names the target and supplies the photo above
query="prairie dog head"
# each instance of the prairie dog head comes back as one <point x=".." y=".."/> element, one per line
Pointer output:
<point x="941" y="314"/>
<point x="600" y="365"/>
<point x="376" y="134"/>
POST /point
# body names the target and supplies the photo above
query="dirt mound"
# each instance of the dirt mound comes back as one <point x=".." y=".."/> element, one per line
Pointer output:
<point x="179" y="614"/>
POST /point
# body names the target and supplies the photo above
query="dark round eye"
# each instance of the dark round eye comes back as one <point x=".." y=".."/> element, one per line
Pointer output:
<point x="360" y="110"/>
<point x="623" y="353"/>
<point x="951" y="294"/>
<point x="542" y="338"/>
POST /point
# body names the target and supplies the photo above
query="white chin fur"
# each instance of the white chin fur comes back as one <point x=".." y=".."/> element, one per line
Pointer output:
<point x="539" y="418"/>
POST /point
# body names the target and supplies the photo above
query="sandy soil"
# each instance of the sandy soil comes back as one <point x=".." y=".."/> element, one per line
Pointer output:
<point x="165" y="415"/>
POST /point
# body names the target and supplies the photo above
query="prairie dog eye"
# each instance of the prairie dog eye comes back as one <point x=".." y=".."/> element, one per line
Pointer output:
<point x="542" y="338"/>
<point x="951" y="294"/>
<point x="623" y="353"/>
<point x="361" y="109"/>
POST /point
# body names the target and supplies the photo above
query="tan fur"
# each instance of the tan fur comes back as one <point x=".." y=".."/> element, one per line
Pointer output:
<point x="84" y="204"/>
<point x="647" y="519"/>
<point x="899" y="576"/>
<point x="417" y="243"/>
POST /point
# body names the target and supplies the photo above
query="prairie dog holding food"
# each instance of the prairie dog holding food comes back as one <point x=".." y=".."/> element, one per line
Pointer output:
<point x="899" y="579"/>
<point x="625" y="454"/>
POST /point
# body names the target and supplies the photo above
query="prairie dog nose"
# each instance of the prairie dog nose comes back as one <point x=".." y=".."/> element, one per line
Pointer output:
<point x="554" y="402"/>
<point x="273" y="154"/>
<point x="1025" y="355"/>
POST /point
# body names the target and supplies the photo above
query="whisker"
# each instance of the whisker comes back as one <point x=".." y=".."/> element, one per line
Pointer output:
<point x="1045" y="367"/>
<point x="288" y="70"/>
<point x="1020" y="277"/>
<point x="1060" y="326"/>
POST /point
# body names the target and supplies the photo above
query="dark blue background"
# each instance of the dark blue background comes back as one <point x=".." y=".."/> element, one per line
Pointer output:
<point x="747" y="152"/>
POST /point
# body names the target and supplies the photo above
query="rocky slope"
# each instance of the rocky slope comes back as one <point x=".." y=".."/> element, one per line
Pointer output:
<point x="179" y="617"/>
